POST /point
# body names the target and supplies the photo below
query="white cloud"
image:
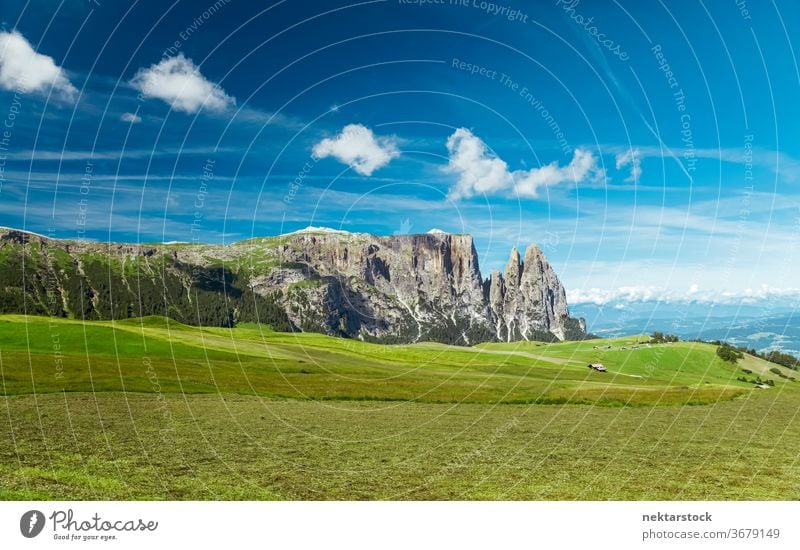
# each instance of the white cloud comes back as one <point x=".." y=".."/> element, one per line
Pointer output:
<point x="632" y="158"/>
<point x="479" y="170"/>
<point x="627" y="294"/>
<point x="779" y="163"/>
<point x="178" y="82"/>
<point x="130" y="117"/>
<point x="359" y="148"/>
<point x="600" y="296"/>
<point x="582" y="167"/>
<point x="482" y="172"/>
<point x="22" y="68"/>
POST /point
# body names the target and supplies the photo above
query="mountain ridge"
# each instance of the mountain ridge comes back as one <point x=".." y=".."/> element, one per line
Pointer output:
<point x="393" y="289"/>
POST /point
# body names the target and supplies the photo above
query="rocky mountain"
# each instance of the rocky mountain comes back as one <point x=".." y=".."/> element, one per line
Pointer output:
<point x="402" y="288"/>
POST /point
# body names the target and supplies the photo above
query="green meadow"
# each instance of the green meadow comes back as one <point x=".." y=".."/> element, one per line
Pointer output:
<point x="152" y="409"/>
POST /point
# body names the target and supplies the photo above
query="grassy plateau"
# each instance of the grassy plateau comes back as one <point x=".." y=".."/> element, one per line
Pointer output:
<point x="153" y="409"/>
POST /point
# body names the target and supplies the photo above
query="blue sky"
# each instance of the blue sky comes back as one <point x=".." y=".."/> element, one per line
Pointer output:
<point x="650" y="150"/>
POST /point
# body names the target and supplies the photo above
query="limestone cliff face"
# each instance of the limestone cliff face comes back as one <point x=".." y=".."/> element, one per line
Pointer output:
<point x="529" y="300"/>
<point x="429" y="286"/>
<point x="402" y="288"/>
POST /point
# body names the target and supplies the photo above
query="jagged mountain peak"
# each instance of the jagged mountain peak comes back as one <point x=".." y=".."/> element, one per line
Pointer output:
<point x="533" y="251"/>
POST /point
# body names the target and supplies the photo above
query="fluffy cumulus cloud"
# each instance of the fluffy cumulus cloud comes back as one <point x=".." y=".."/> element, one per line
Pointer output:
<point x="632" y="158"/>
<point x="22" y="68"/>
<point x="178" y="82"/>
<point x="358" y="147"/>
<point x="480" y="171"/>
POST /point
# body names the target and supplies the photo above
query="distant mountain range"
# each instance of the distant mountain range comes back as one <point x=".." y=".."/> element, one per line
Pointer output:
<point x="401" y="288"/>
<point x="765" y="326"/>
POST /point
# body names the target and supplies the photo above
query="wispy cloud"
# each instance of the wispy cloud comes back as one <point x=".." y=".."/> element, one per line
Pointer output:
<point x="781" y="164"/>
<point x="130" y="117"/>
<point x="631" y="158"/>
<point x="68" y="155"/>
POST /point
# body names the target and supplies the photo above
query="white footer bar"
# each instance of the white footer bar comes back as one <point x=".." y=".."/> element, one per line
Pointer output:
<point x="400" y="525"/>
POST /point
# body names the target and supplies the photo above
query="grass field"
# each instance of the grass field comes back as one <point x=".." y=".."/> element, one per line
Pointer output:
<point x="151" y="409"/>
